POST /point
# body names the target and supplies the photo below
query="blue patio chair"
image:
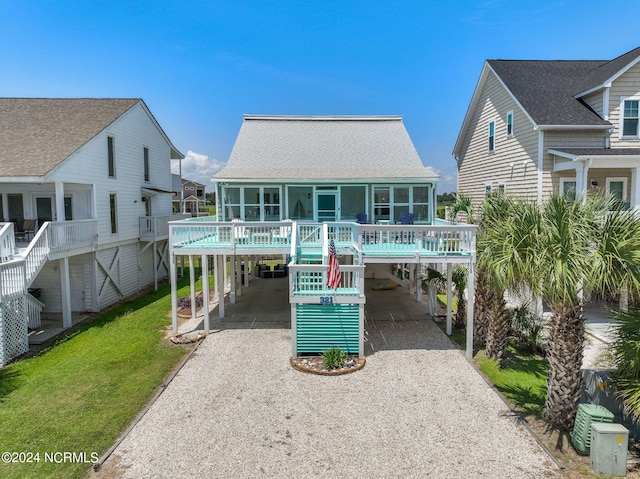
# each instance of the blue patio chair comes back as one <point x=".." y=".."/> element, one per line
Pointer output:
<point x="361" y="218"/>
<point x="406" y="218"/>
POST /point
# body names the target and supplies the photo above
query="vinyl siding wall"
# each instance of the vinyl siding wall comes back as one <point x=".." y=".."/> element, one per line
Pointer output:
<point x="80" y="279"/>
<point x="594" y="100"/>
<point x="132" y="132"/>
<point x="477" y="166"/>
<point x="626" y="85"/>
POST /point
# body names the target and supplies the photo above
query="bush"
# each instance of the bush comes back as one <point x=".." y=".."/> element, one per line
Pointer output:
<point x="626" y="354"/>
<point x="527" y="328"/>
<point x="334" y="357"/>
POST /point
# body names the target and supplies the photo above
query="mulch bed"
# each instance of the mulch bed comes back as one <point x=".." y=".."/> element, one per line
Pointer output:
<point x="314" y="365"/>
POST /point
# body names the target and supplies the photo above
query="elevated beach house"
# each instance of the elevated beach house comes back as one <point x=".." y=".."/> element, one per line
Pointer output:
<point x="293" y="185"/>
<point x="535" y="127"/>
<point x="85" y="202"/>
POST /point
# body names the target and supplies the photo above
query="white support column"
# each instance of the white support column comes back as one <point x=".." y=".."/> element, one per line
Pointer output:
<point x="154" y="251"/>
<point x="624" y="299"/>
<point x="192" y="286"/>
<point x="449" y="299"/>
<point x="634" y="200"/>
<point x="294" y="334"/>
<point x="419" y="282"/>
<point x="59" y="188"/>
<point x="232" y="279"/>
<point x="239" y="283"/>
<point x="205" y="292"/>
<point x="174" y="292"/>
<point x="5" y="207"/>
<point x="65" y="286"/>
<point x="470" y="293"/>
<point x="220" y="281"/>
<point x="246" y="271"/>
<point x="412" y="279"/>
<point x="216" y="280"/>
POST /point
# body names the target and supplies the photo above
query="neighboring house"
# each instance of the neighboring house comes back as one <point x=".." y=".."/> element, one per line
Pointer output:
<point x="194" y="198"/>
<point x="292" y="184"/>
<point x="93" y="176"/>
<point x="537" y="127"/>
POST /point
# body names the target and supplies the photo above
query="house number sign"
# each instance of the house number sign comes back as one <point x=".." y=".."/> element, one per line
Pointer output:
<point x="326" y="300"/>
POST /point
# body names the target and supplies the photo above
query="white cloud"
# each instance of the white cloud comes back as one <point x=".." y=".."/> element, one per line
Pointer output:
<point x="198" y="167"/>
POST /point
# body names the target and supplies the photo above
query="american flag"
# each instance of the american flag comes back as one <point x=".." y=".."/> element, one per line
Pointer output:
<point x="333" y="277"/>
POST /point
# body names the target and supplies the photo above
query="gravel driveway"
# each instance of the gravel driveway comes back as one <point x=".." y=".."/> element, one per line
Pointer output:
<point x="417" y="409"/>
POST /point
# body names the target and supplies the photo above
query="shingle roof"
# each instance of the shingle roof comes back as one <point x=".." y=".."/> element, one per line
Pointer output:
<point x="36" y="134"/>
<point x="599" y="151"/>
<point x="547" y="89"/>
<point x="324" y="148"/>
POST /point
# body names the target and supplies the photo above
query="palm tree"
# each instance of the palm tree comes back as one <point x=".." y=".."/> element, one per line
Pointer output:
<point x="505" y="244"/>
<point x="581" y="244"/>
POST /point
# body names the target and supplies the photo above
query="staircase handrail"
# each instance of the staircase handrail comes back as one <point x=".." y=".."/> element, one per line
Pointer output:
<point x="7" y="241"/>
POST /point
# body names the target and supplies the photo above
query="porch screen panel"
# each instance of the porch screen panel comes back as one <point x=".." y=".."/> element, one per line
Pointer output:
<point x="231" y="197"/>
<point x="252" y="204"/>
<point x="400" y="201"/>
<point x="300" y="202"/>
<point x="421" y="197"/>
<point x="381" y="203"/>
<point x="352" y="202"/>
<point x="271" y="199"/>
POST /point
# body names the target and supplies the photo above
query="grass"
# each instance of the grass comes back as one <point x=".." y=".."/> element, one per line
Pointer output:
<point x="79" y="395"/>
<point x="522" y="379"/>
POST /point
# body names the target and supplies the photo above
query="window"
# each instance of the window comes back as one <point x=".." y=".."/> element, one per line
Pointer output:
<point x="111" y="154"/>
<point x="271" y="204"/>
<point x="630" y="118"/>
<point x="300" y="201"/>
<point x="501" y="188"/>
<point x="199" y="192"/>
<point x="568" y="189"/>
<point x="231" y="197"/>
<point x="492" y="136"/>
<point x="617" y="188"/>
<point x="113" y="208"/>
<point x="487" y="189"/>
<point x="509" y="123"/>
<point x="421" y="195"/>
<point x="352" y="202"/>
<point x="381" y="203"/>
<point x="146" y="164"/>
<point x="251" y="203"/>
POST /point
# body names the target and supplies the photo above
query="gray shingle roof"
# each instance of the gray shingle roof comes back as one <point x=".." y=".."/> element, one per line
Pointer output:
<point x="36" y="134"/>
<point x="600" y="151"/>
<point x="324" y="148"/>
<point x="547" y="89"/>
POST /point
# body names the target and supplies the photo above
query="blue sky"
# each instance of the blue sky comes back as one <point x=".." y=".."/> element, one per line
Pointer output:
<point x="200" y="65"/>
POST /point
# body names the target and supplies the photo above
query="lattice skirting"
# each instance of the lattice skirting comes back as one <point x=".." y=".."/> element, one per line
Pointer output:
<point x="14" y="332"/>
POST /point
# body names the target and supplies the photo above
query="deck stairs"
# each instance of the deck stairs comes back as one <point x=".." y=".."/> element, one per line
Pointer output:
<point x="20" y="266"/>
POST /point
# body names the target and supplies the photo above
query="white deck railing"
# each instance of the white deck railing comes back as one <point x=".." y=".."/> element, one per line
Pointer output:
<point x="311" y="280"/>
<point x="7" y="241"/>
<point x="69" y="235"/>
<point x="34" y="311"/>
<point x="296" y="237"/>
<point x="153" y="227"/>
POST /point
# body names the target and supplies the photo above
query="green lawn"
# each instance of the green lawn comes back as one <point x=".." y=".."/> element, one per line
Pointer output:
<point x="79" y="395"/>
<point x="522" y="380"/>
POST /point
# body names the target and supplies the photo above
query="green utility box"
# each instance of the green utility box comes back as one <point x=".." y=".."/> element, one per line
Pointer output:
<point x="588" y="414"/>
<point x="609" y="444"/>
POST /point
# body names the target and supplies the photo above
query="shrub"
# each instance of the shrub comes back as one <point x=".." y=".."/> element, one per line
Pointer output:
<point x="527" y="328"/>
<point x="334" y="357"/>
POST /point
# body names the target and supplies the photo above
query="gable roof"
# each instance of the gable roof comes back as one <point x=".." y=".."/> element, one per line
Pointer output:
<point x="549" y="91"/>
<point x="37" y="134"/>
<point x="347" y="148"/>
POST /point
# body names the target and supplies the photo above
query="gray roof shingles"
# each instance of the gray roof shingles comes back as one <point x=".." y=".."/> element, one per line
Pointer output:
<point x="547" y="89"/>
<point x="324" y="148"/>
<point x="37" y="134"/>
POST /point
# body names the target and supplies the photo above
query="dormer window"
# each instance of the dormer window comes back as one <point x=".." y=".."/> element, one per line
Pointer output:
<point x="629" y="126"/>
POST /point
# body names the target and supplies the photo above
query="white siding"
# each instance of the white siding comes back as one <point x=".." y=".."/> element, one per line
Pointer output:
<point x="594" y="100"/>
<point x="80" y="279"/>
<point x="477" y="166"/>
<point x="132" y="132"/>
<point x="627" y="85"/>
<point x="124" y="270"/>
